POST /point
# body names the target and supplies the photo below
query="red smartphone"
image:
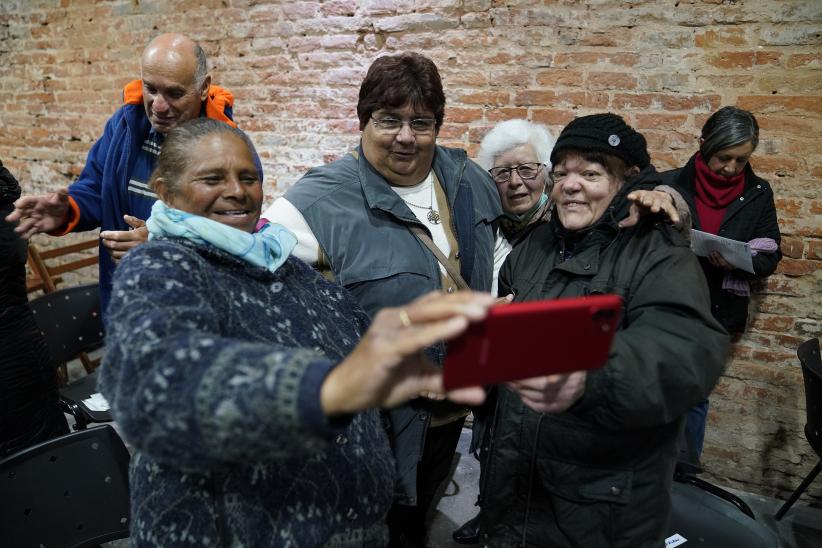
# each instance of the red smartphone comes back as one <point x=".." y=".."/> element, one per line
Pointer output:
<point x="533" y="339"/>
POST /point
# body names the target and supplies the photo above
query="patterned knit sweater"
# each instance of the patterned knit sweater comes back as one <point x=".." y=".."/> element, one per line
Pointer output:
<point x="213" y="369"/>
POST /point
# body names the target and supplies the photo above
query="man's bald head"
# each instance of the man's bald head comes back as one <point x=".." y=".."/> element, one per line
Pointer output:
<point x="178" y="45"/>
<point x="175" y="80"/>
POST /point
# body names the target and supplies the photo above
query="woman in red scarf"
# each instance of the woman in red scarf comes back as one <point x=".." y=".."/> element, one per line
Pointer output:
<point x="726" y="198"/>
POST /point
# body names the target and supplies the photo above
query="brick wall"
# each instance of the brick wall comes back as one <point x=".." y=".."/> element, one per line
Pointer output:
<point x="295" y="68"/>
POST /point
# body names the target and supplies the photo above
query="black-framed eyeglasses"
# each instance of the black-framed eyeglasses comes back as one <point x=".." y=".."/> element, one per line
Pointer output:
<point x="389" y="125"/>
<point x="526" y="172"/>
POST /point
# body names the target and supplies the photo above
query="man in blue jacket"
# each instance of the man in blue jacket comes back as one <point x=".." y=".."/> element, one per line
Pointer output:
<point x="112" y="192"/>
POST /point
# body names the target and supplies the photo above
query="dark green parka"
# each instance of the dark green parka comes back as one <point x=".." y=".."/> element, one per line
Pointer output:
<point x="599" y="474"/>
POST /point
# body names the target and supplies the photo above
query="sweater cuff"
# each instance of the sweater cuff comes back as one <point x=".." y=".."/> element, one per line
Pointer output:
<point x="682" y="209"/>
<point x="309" y="405"/>
<point x="72" y="220"/>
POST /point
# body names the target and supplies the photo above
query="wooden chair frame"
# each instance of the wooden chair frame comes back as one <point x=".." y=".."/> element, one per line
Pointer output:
<point x="47" y="277"/>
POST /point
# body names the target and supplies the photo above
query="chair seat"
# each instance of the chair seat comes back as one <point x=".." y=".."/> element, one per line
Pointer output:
<point x="707" y="520"/>
<point x="69" y="491"/>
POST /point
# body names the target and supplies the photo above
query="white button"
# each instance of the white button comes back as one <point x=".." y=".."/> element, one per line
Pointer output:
<point x="742" y="198"/>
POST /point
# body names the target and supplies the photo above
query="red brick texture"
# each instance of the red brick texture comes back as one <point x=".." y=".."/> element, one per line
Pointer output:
<point x="295" y="68"/>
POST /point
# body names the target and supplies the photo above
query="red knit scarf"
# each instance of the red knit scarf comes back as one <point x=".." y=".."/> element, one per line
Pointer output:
<point x="714" y="193"/>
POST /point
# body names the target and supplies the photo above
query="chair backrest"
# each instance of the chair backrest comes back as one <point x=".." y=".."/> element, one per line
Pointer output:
<point x="808" y="354"/>
<point x="70" y="320"/>
<point x="68" y="491"/>
<point x="45" y="275"/>
<point x="705" y="519"/>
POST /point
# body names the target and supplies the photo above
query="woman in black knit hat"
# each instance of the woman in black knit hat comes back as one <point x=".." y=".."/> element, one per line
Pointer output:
<point x="586" y="459"/>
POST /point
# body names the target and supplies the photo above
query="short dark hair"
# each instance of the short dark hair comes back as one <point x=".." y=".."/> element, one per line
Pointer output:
<point x="728" y="127"/>
<point x="395" y="80"/>
<point x="175" y="155"/>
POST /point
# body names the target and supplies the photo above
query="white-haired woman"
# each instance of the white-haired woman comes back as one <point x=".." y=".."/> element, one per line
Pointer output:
<point x="517" y="155"/>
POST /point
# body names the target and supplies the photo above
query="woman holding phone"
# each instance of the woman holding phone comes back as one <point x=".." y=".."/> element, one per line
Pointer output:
<point x="587" y="458"/>
<point x="246" y="383"/>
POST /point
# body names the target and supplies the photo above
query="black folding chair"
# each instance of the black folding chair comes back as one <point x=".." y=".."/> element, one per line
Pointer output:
<point x="71" y="323"/>
<point x="709" y="515"/>
<point x="706" y="517"/>
<point x="68" y="491"/>
<point x="809" y="357"/>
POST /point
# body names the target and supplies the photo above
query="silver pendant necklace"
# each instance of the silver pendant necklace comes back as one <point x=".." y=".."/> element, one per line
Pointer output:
<point x="433" y="215"/>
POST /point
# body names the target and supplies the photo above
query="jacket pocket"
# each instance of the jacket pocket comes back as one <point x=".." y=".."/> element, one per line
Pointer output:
<point x="378" y="288"/>
<point x="583" y="483"/>
<point x="590" y="502"/>
<point x="365" y="271"/>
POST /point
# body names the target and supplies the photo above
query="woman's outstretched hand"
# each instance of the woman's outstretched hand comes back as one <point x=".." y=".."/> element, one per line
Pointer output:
<point x="649" y="202"/>
<point x="388" y="366"/>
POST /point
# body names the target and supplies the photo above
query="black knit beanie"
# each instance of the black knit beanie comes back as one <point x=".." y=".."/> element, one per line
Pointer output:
<point x="607" y="133"/>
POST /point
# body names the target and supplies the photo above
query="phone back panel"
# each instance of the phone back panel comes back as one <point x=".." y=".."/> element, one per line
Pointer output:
<point x="533" y="339"/>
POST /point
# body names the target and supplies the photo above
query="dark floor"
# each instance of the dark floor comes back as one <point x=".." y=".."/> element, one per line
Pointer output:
<point x="800" y="528"/>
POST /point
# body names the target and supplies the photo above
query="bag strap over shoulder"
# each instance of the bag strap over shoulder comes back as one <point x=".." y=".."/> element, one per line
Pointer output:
<point x="450" y="267"/>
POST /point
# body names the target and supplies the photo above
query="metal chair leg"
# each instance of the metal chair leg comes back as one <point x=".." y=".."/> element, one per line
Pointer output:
<point x="799" y="490"/>
<point x="80" y="420"/>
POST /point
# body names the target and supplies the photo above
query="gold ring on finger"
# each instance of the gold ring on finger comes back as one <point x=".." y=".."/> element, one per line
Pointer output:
<point x="404" y="319"/>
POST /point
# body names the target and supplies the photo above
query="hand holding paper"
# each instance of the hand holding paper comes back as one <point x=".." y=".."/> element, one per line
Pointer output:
<point x="734" y="252"/>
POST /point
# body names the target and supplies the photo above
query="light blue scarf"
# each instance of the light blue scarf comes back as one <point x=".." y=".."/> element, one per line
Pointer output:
<point x="269" y="247"/>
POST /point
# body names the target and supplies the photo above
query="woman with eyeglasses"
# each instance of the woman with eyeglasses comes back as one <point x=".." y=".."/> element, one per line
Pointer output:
<point x="587" y="458"/>
<point x="376" y="219"/>
<point x="517" y="155"/>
